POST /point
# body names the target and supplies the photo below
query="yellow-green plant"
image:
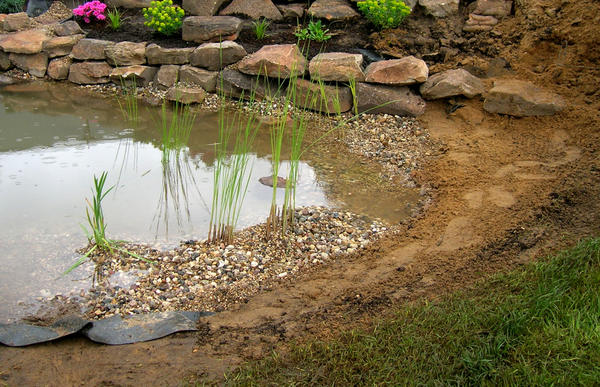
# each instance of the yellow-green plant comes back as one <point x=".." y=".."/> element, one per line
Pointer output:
<point x="384" y="13"/>
<point x="164" y="17"/>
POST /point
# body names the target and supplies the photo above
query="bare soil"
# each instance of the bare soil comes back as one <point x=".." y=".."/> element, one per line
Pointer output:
<point x="505" y="191"/>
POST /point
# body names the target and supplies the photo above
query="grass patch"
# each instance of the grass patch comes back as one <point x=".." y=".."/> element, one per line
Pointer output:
<point x="539" y="325"/>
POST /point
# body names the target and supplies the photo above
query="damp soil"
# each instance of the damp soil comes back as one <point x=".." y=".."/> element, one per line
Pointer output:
<point x="504" y="191"/>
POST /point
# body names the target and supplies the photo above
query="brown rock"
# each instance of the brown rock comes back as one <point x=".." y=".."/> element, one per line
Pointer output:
<point x="67" y="28"/>
<point x="86" y="49"/>
<point x="158" y="55"/>
<point x="215" y="56"/>
<point x="166" y="76"/>
<point x="389" y="100"/>
<point x="234" y="84"/>
<point x="522" y="98"/>
<point x="5" y="63"/>
<point x="268" y="181"/>
<point x="186" y="95"/>
<point x="62" y="45"/>
<point x="128" y="3"/>
<point x="58" y="68"/>
<point x="126" y="54"/>
<point x="211" y="28"/>
<point x="332" y="10"/>
<point x="440" y="8"/>
<point x="141" y="75"/>
<point x="202" y="7"/>
<point x="15" y="21"/>
<point x="337" y="66"/>
<point x="276" y="61"/>
<point x="34" y="64"/>
<point x="323" y="98"/>
<point x="24" y="42"/>
<point x="477" y="23"/>
<point x="191" y="75"/>
<point x="451" y="83"/>
<point x="292" y="11"/>
<point x="401" y="72"/>
<point x="85" y="73"/>
<point x="496" y="8"/>
<point x="253" y="9"/>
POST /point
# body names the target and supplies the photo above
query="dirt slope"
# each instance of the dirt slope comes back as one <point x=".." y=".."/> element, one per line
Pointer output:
<point x="505" y="191"/>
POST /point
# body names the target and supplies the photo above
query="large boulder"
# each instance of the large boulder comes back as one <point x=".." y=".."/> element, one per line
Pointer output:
<point x="451" y="83"/>
<point x="322" y="98"/>
<point x="34" y="64"/>
<point x="215" y="56"/>
<point x="58" y="68"/>
<point x="61" y="45"/>
<point x="389" y="100"/>
<point x="276" y="61"/>
<point x="126" y="54"/>
<point x="232" y="83"/>
<point x="89" y="73"/>
<point x="67" y="28"/>
<point x="522" y="98"/>
<point x="24" y="42"/>
<point x="496" y="8"/>
<point x="253" y="9"/>
<point x="15" y="21"/>
<point x="90" y="49"/>
<point x="440" y="8"/>
<point x="166" y="76"/>
<point x="186" y="95"/>
<point x="157" y="55"/>
<point x="337" y="66"/>
<point x="138" y="74"/>
<point x="191" y="75"/>
<point x="332" y="10"/>
<point x="203" y="29"/>
<point x="202" y="7"/>
<point x="401" y="72"/>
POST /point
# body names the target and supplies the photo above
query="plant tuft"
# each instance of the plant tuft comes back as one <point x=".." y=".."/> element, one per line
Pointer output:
<point x="260" y="28"/>
<point x="314" y="31"/>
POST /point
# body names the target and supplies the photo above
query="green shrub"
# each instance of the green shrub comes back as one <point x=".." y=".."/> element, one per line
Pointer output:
<point x="164" y="17"/>
<point x="11" y="6"/>
<point x="384" y="13"/>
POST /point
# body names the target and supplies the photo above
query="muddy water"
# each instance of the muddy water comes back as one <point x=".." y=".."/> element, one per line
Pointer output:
<point x="53" y="140"/>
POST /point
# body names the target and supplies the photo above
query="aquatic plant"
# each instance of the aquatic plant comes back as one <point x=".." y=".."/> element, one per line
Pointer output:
<point x="175" y="129"/>
<point x="260" y="28"/>
<point x="128" y="104"/>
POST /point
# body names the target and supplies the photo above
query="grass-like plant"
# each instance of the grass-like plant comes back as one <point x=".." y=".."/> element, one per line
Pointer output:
<point x="176" y="129"/>
<point x="260" y="28"/>
<point x="128" y="103"/>
<point x="114" y="18"/>
<point x="353" y="91"/>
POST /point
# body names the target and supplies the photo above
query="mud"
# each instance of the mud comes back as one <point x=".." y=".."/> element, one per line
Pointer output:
<point x="504" y="191"/>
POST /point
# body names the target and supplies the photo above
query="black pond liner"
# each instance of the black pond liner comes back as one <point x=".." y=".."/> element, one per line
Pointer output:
<point x="114" y="330"/>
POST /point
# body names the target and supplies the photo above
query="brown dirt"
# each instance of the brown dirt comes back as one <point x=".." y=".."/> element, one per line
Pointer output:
<point x="505" y="191"/>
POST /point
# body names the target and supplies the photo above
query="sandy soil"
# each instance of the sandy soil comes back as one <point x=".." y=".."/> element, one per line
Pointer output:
<point x="505" y="191"/>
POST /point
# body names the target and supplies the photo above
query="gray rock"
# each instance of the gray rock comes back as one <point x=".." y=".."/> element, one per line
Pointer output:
<point x="389" y="100"/>
<point x="158" y="55"/>
<point x="166" y="76"/>
<point x="323" y="98"/>
<point x="87" y="49"/>
<point x="24" y="42"/>
<point x="141" y="75"/>
<point x="5" y="80"/>
<point x="276" y="61"/>
<point x="451" y="83"/>
<point x="496" y="8"/>
<point x="34" y="64"/>
<point x="332" y="10"/>
<point x="521" y="99"/>
<point x="36" y="7"/>
<point x="58" y="68"/>
<point x="440" y="8"/>
<point x="234" y="84"/>
<point x="202" y="7"/>
<point x="126" y="54"/>
<point x="401" y="72"/>
<point x="89" y="73"/>
<point x="16" y="21"/>
<point x="61" y="45"/>
<point x="5" y="63"/>
<point x="292" y="11"/>
<point x="68" y="28"/>
<point x="128" y="3"/>
<point x="253" y="9"/>
<point x="337" y="66"/>
<point x="191" y="75"/>
<point x="210" y="28"/>
<point x="186" y="95"/>
<point x="215" y="56"/>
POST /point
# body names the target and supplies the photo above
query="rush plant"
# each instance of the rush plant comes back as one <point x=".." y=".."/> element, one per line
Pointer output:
<point x="260" y="28"/>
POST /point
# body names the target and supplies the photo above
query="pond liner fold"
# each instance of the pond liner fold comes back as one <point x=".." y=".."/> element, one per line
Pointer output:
<point x="114" y="330"/>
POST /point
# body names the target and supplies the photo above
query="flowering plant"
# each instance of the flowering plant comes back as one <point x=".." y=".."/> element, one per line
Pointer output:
<point x="164" y="17"/>
<point x="91" y="8"/>
<point x="384" y="13"/>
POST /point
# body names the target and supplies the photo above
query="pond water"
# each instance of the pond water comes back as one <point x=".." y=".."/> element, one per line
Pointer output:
<point x="54" y="139"/>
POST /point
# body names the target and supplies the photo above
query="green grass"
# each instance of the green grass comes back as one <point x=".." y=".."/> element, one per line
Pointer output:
<point x="260" y="28"/>
<point x="114" y="18"/>
<point x="176" y="127"/>
<point x="539" y="325"/>
<point x="128" y="103"/>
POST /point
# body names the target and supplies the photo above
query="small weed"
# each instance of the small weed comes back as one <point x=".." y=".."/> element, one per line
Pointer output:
<point x="114" y="19"/>
<point x="314" y="31"/>
<point x="260" y="28"/>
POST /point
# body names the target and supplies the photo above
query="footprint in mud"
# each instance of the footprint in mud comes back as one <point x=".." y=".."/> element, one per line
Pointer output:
<point x="459" y="233"/>
<point x="497" y="195"/>
<point x="474" y="199"/>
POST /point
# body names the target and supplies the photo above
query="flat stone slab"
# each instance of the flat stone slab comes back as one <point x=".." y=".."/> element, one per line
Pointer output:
<point x="157" y="55"/>
<point x="203" y="29"/>
<point x="401" y="72"/>
<point x="234" y="84"/>
<point x="522" y="98"/>
<point x="202" y="7"/>
<point x="67" y="28"/>
<point x="24" y="42"/>
<point x="191" y="75"/>
<point x="34" y="64"/>
<point x="337" y="66"/>
<point x="253" y="9"/>
<point x="90" y="73"/>
<point x="451" y="83"/>
<point x="323" y="98"/>
<point x="61" y="45"/>
<point x="128" y="3"/>
<point x="186" y="94"/>
<point x="126" y="54"/>
<point x="440" y="8"/>
<point x="332" y="10"/>
<point x="383" y="99"/>
<point x="166" y="76"/>
<point x="141" y="75"/>
<point x="292" y="11"/>
<point x="478" y="23"/>
<point x="15" y="21"/>
<point x="215" y="56"/>
<point x="276" y="61"/>
<point x="93" y="49"/>
<point x="496" y="8"/>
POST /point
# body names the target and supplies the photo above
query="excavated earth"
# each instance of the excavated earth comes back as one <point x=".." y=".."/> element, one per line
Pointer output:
<point x="504" y="191"/>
